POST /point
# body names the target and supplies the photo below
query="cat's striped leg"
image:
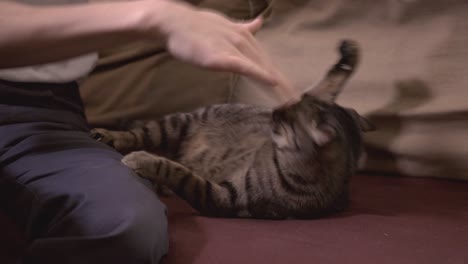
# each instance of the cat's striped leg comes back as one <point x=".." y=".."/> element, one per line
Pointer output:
<point x="208" y="197"/>
<point x="122" y="141"/>
<point x="163" y="135"/>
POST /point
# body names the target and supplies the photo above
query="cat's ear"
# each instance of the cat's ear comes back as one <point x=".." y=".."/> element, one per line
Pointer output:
<point x="365" y="124"/>
<point x="328" y="89"/>
<point x="323" y="134"/>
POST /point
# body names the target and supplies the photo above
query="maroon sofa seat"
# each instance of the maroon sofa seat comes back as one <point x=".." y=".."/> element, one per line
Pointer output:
<point x="391" y="220"/>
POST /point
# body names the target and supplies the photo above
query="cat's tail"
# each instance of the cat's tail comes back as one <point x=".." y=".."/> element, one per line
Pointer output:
<point x="329" y="88"/>
<point x="349" y="51"/>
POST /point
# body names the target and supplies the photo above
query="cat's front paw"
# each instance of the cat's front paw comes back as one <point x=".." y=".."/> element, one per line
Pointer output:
<point x="142" y="162"/>
<point x="103" y="135"/>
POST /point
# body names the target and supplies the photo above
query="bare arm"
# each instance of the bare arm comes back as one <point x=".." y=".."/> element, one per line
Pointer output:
<point x="34" y="35"/>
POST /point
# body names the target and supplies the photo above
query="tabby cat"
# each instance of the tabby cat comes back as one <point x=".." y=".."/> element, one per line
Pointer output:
<point x="234" y="160"/>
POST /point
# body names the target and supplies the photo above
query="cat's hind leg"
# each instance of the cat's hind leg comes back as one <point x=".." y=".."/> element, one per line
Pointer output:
<point x="208" y="197"/>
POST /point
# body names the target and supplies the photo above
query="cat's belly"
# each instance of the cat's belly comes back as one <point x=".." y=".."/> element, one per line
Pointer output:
<point x="225" y="146"/>
<point x="219" y="159"/>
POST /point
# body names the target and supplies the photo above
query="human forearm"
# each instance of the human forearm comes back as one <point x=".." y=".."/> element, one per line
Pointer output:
<point x="33" y="35"/>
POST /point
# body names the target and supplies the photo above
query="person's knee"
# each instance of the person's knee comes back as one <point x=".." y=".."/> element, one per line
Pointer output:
<point x="125" y="224"/>
<point x="87" y="207"/>
<point x="141" y="232"/>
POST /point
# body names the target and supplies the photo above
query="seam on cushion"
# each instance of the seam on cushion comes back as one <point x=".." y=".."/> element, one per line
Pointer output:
<point x="251" y="7"/>
<point x="266" y="15"/>
<point x="233" y="80"/>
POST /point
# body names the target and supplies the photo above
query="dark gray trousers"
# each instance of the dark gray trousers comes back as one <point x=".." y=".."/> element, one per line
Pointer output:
<point x="70" y="195"/>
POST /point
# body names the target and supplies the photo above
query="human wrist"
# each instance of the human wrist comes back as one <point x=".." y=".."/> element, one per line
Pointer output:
<point x="157" y="17"/>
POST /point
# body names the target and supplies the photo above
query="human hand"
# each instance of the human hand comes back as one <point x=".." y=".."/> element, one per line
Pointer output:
<point x="213" y="41"/>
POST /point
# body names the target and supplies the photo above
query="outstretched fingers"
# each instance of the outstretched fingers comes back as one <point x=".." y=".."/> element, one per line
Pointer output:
<point x="254" y="25"/>
<point x="241" y="64"/>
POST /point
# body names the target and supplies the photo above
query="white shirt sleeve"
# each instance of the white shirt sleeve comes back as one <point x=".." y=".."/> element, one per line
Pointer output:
<point x="57" y="72"/>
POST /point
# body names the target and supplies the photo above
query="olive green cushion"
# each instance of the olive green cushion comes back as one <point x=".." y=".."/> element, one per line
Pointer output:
<point x="412" y="81"/>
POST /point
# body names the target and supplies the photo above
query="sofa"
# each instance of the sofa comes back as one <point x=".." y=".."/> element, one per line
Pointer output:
<point x="409" y="200"/>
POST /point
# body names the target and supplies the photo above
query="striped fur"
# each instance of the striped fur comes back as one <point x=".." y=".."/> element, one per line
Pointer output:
<point x="238" y="160"/>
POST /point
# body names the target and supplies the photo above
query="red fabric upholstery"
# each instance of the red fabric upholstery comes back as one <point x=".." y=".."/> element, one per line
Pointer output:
<point x="11" y="242"/>
<point x="391" y="220"/>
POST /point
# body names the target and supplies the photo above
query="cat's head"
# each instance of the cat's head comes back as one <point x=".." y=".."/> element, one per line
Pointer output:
<point x="316" y="119"/>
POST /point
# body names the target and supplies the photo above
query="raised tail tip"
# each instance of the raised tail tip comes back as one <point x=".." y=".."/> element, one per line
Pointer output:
<point x="348" y="48"/>
<point x="349" y="51"/>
